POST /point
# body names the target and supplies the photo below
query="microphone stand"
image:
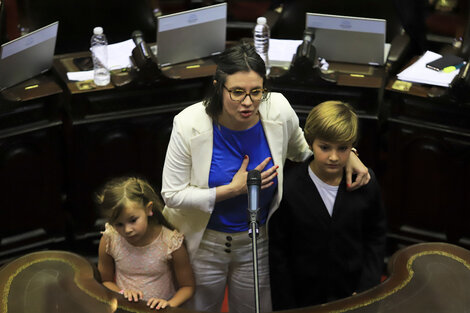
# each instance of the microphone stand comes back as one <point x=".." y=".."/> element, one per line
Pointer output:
<point x="253" y="183"/>
<point x="254" y="230"/>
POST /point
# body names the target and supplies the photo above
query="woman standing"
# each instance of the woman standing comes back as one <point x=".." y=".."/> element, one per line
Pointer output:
<point x="213" y="145"/>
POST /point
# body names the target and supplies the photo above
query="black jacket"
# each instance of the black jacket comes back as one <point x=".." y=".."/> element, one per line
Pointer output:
<point x="315" y="258"/>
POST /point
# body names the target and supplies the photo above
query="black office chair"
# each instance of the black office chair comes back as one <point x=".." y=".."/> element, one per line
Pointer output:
<point x="119" y="18"/>
<point x="3" y="24"/>
<point x="465" y="51"/>
<point x="291" y="22"/>
<point x="431" y="27"/>
<point x="412" y="15"/>
<point x="242" y="15"/>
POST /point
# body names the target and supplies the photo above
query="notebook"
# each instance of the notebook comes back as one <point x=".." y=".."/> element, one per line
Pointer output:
<point x="192" y="34"/>
<point x="349" y="39"/>
<point x="27" y="56"/>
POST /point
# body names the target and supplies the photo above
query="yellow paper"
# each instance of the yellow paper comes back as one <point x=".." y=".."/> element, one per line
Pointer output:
<point x="401" y="85"/>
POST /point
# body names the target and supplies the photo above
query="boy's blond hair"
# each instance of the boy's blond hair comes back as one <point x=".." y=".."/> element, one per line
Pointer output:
<point x="333" y="121"/>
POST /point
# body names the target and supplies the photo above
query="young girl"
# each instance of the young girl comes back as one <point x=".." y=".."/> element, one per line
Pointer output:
<point x="140" y="253"/>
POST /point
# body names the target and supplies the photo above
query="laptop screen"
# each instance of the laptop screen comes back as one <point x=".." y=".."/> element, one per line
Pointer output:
<point x="348" y="39"/>
<point x="190" y="35"/>
<point x="27" y="56"/>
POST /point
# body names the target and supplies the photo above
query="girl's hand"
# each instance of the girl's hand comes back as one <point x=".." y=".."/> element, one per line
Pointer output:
<point x="132" y="295"/>
<point x="157" y="303"/>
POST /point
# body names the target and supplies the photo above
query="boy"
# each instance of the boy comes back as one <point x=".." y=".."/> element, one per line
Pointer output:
<point x="326" y="243"/>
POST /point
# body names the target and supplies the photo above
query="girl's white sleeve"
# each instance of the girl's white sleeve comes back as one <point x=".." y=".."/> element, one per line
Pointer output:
<point x="177" y="190"/>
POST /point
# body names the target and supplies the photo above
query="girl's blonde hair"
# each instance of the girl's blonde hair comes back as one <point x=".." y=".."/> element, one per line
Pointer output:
<point x="118" y="193"/>
<point x="333" y="121"/>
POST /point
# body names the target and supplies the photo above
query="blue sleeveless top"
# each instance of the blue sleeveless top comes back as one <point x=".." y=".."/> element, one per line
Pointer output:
<point x="229" y="149"/>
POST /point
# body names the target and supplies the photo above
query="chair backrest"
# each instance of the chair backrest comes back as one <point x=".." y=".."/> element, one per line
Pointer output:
<point x="412" y="16"/>
<point x="119" y="18"/>
<point x="3" y="33"/>
<point x="9" y="23"/>
<point x="465" y="52"/>
<point x="431" y="28"/>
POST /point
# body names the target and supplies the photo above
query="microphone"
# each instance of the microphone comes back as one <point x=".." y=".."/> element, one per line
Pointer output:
<point x="138" y="39"/>
<point x="253" y="183"/>
<point x="145" y="69"/>
<point x="308" y="37"/>
<point x="304" y="60"/>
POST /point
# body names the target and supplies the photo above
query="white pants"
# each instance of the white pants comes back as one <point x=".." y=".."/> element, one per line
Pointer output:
<point x="226" y="259"/>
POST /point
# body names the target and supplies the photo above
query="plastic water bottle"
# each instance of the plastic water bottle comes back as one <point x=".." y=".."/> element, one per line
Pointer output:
<point x="99" y="51"/>
<point x="261" y="36"/>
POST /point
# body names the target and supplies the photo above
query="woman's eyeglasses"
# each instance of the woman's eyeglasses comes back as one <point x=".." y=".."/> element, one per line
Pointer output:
<point x="239" y="95"/>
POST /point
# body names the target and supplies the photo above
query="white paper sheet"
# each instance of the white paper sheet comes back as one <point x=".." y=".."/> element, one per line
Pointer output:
<point x="118" y="57"/>
<point x="281" y="51"/>
<point x="419" y="73"/>
<point x="80" y="76"/>
<point x="119" y="53"/>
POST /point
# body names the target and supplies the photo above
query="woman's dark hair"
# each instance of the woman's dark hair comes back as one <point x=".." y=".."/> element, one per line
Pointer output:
<point x="240" y="58"/>
<point x="118" y="192"/>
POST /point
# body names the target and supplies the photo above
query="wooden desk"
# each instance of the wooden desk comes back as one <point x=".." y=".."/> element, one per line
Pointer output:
<point x="31" y="166"/>
<point x="426" y="185"/>
<point x="120" y="130"/>
<point x="98" y="133"/>
<point x="189" y="70"/>
<point x="422" y="278"/>
<point x="62" y="151"/>
<point x="38" y="87"/>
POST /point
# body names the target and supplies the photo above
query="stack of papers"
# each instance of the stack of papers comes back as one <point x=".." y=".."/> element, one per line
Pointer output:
<point x="281" y="51"/>
<point x="118" y="57"/>
<point x="419" y="73"/>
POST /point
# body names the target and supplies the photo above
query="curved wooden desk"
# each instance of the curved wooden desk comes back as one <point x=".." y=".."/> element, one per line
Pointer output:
<point x="430" y="277"/>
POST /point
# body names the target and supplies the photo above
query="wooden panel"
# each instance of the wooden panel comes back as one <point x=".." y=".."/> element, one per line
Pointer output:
<point x="426" y="189"/>
<point x="106" y="149"/>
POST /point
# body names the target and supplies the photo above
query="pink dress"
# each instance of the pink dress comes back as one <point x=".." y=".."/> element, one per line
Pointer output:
<point x="145" y="268"/>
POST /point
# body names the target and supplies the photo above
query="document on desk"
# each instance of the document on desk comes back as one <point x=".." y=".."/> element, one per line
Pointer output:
<point x="419" y="73"/>
<point x="118" y="57"/>
<point x="281" y="51"/>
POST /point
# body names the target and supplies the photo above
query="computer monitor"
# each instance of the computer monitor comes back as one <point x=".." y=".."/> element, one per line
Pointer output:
<point x="349" y="39"/>
<point x="192" y="34"/>
<point x="27" y="56"/>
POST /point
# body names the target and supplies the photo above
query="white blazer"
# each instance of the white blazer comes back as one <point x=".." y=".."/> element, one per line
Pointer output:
<point x="188" y="198"/>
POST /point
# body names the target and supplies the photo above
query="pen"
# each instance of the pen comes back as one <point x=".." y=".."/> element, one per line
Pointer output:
<point x="452" y="68"/>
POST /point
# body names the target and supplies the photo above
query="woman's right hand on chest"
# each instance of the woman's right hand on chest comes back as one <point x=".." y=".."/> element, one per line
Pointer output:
<point x="238" y="184"/>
